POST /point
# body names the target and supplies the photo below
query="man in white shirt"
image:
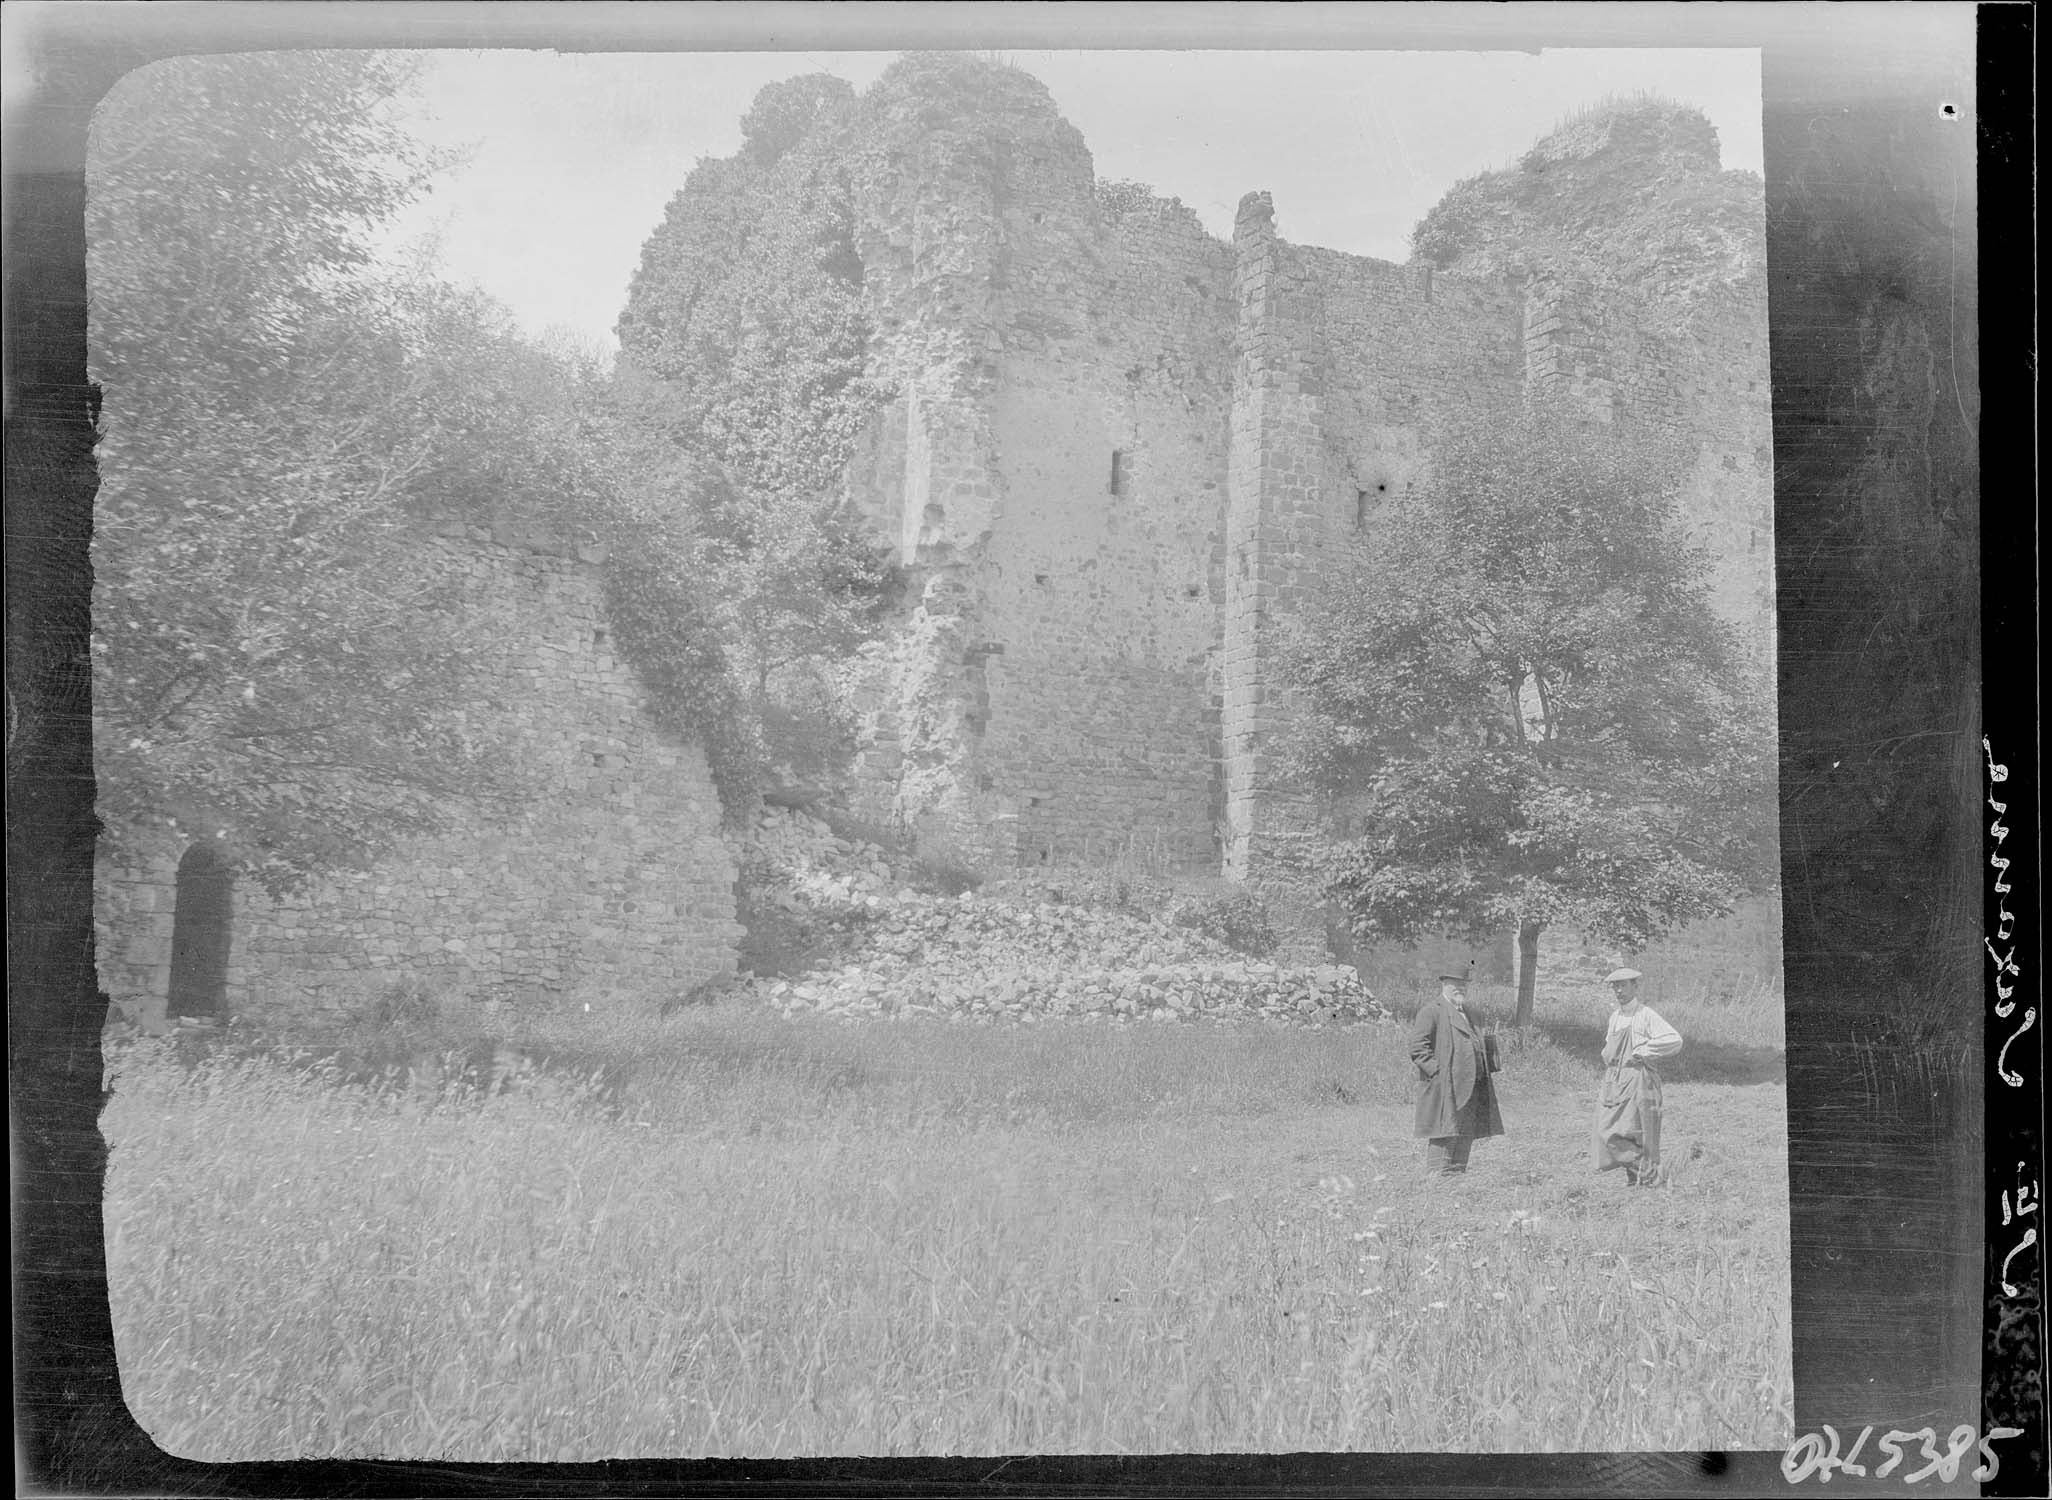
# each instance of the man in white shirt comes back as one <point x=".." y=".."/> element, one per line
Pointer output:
<point x="1628" y="1113"/>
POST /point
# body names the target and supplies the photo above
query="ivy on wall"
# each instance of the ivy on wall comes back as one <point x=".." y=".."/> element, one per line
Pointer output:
<point x="1627" y="191"/>
<point x="740" y="391"/>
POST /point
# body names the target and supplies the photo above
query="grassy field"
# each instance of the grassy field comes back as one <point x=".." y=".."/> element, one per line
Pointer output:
<point x="770" y="1238"/>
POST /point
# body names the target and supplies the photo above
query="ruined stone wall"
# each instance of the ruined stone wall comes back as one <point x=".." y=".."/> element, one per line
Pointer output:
<point x="1099" y="581"/>
<point x="1275" y="526"/>
<point x="1691" y="363"/>
<point x="1345" y="367"/>
<point x="1406" y="351"/>
<point x="1124" y="454"/>
<point x="926" y="231"/>
<point x="1050" y="696"/>
<point x="611" y="887"/>
<point x="1696" y="367"/>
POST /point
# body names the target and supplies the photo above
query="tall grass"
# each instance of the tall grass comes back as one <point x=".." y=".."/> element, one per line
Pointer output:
<point x="906" y="1239"/>
<point x="721" y="1064"/>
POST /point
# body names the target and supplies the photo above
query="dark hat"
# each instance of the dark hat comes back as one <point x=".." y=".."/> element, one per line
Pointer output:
<point x="1461" y="978"/>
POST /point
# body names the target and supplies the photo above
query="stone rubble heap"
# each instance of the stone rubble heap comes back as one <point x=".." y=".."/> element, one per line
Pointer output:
<point x="818" y="867"/>
<point x="1010" y="957"/>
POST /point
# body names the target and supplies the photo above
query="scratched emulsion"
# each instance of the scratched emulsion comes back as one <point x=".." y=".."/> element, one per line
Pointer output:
<point x="1873" y="298"/>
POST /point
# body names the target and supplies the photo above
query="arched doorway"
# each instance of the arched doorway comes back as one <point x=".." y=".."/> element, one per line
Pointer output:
<point x="200" y="927"/>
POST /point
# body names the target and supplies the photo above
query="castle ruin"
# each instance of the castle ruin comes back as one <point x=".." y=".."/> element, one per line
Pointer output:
<point x="1121" y="453"/>
<point x="1124" y="451"/>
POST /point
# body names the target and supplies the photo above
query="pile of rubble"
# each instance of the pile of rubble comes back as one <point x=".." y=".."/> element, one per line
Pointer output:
<point x="1018" y="955"/>
<point x="816" y="864"/>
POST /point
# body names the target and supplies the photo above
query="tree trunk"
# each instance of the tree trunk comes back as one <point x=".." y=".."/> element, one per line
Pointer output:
<point x="1528" y="970"/>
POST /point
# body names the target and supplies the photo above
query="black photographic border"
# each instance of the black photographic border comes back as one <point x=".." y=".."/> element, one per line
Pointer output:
<point x="1907" y="1147"/>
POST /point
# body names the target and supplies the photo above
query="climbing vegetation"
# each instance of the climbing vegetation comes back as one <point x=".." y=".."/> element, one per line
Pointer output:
<point x="291" y="652"/>
<point x="741" y="389"/>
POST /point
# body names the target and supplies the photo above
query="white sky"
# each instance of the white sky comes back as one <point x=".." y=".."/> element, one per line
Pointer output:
<point x="573" y="158"/>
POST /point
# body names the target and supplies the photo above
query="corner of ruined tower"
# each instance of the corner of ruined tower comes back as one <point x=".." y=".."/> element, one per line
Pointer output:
<point x="972" y="197"/>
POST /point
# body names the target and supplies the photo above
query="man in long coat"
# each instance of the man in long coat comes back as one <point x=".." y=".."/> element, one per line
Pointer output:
<point x="1456" y="1101"/>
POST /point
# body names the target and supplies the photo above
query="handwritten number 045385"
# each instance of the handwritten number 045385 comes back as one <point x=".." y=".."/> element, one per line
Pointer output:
<point x="1811" y="1454"/>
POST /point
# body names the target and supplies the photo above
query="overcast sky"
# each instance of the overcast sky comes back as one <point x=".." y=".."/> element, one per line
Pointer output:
<point x="572" y="158"/>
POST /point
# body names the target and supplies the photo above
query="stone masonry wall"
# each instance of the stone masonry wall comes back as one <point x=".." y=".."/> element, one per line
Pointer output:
<point x="1345" y="367"/>
<point x="1051" y="696"/>
<point x="1100" y="590"/>
<point x="1697" y="369"/>
<point x="1124" y="454"/>
<point x="1274" y="528"/>
<point x="612" y="887"/>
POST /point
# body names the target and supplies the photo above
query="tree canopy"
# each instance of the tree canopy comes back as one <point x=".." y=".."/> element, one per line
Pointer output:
<point x="1522" y="709"/>
<point x="281" y="657"/>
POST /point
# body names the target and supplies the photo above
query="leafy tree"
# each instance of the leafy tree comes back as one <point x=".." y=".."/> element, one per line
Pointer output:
<point x="1522" y="708"/>
<point x="282" y="656"/>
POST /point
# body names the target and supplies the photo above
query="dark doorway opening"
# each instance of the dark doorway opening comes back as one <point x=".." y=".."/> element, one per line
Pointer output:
<point x="200" y="933"/>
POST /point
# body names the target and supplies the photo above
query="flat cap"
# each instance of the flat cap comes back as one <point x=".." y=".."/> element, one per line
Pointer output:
<point x="1454" y="978"/>
<point x="1617" y="974"/>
